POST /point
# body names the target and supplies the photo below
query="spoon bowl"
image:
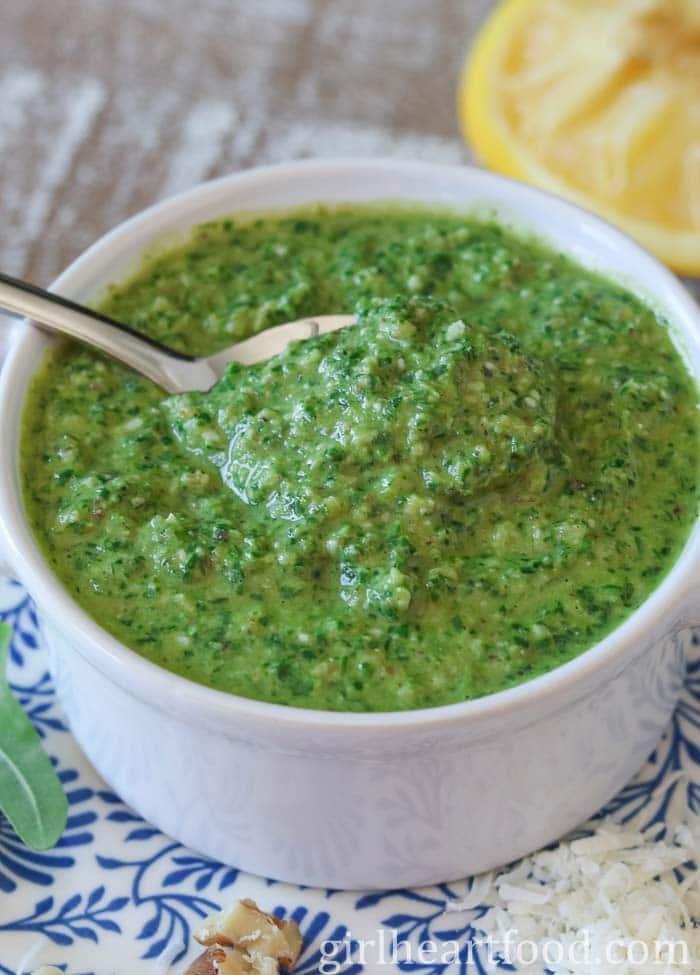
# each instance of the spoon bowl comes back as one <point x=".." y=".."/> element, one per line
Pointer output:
<point x="173" y="371"/>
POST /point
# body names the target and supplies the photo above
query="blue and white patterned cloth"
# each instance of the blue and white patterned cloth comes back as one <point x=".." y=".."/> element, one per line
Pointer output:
<point x="117" y="897"/>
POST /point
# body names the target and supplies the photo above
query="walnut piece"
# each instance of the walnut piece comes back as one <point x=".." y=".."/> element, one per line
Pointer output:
<point x="263" y="936"/>
<point x="217" y="960"/>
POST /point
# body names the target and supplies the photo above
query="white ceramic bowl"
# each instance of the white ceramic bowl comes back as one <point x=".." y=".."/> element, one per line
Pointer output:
<point x="362" y="800"/>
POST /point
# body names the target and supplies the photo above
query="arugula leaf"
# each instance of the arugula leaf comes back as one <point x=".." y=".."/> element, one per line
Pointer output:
<point x="31" y="795"/>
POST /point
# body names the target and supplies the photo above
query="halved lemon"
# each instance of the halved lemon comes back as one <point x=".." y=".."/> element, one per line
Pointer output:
<point x="598" y="101"/>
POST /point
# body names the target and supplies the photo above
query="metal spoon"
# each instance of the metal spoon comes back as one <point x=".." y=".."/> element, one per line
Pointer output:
<point x="173" y="371"/>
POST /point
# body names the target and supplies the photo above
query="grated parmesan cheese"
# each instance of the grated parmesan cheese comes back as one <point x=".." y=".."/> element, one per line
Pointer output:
<point x="618" y="902"/>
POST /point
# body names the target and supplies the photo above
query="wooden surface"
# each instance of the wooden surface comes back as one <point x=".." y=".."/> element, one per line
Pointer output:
<point x="106" y="107"/>
<point x="109" y="105"/>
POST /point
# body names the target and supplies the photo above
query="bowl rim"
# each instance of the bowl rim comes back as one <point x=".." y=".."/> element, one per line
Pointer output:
<point x="169" y="691"/>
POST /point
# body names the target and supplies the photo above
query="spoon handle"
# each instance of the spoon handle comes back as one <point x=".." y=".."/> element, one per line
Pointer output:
<point x="164" y="366"/>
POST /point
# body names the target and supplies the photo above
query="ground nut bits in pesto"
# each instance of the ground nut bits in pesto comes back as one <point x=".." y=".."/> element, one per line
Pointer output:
<point x="473" y="484"/>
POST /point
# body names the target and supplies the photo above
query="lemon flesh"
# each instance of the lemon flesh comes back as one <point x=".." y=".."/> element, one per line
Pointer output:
<point x="598" y="102"/>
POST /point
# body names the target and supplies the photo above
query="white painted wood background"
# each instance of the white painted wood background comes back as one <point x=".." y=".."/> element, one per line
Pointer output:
<point x="109" y="105"/>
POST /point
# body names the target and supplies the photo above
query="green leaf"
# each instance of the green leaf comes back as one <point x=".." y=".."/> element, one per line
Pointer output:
<point x="31" y="795"/>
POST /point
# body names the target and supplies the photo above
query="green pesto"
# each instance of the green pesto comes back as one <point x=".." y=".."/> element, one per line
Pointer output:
<point x="467" y="488"/>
